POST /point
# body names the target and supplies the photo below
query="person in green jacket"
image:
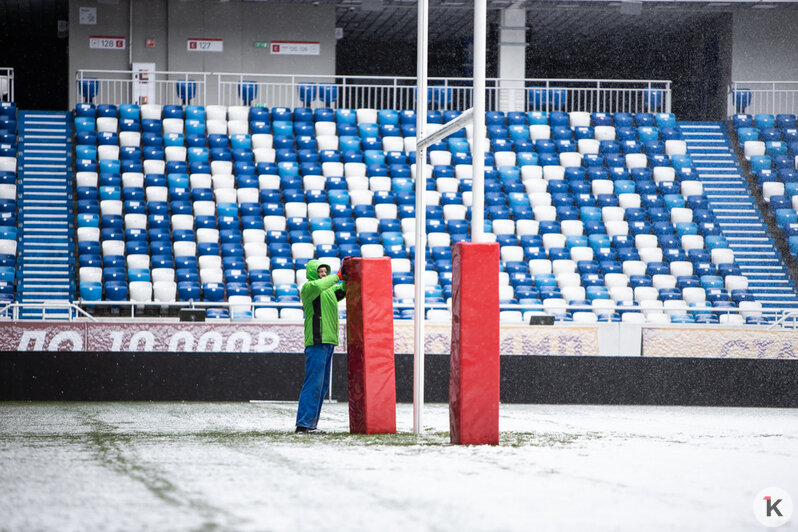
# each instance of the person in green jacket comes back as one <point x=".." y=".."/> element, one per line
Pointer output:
<point x="320" y="296"/>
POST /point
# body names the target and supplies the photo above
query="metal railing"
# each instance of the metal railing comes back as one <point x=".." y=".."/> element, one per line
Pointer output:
<point x="752" y="97"/>
<point x="278" y="90"/>
<point x="777" y="317"/>
<point x="399" y="93"/>
<point x="128" y="86"/>
<point x="55" y="309"/>
<point x="783" y="318"/>
<point x="145" y="308"/>
<point x="6" y="84"/>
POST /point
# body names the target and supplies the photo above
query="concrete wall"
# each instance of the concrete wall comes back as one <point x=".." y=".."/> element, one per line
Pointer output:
<point x="171" y="22"/>
<point x="764" y="46"/>
<point x="112" y="20"/>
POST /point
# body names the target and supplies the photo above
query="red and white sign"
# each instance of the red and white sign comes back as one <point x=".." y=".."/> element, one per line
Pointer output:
<point x="295" y="48"/>
<point x="196" y="337"/>
<point x="148" y="337"/>
<point x="21" y="336"/>
<point x="106" y="42"/>
<point x="205" y="45"/>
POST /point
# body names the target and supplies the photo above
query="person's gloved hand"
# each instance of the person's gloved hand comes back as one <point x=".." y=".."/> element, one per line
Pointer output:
<point x="341" y="272"/>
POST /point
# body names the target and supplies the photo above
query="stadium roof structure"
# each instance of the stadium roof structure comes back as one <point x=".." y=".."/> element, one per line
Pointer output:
<point x="394" y="20"/>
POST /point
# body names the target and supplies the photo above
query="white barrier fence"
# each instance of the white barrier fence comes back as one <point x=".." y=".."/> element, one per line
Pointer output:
<point x="6" y="84"/>
<point x="49" y="311"/>
<point x="445" y="93"/>
<point x="275" y="90"/>
<point x="128" y="86"/>
<point x="241" y="312"/>
<point x="772" y="97"/>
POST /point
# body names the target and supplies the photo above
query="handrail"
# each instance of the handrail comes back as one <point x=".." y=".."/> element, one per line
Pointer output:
<point x="398" y="92"/>
<point x="752" y="97"/>
<point x="395" y="92"/>
<point x="785" y="316"/>
<point x="71" y="306"/>
<point x="6" y="84"/>
<point x="782" y="314"/>
<point x="251" y="306"/>
<point x="128" y="86"/>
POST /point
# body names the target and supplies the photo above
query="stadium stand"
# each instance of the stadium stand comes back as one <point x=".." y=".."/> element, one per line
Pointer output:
<point x="8" y="200"/>
<point x="769" y="145"/>
<point x="600" y="217"/>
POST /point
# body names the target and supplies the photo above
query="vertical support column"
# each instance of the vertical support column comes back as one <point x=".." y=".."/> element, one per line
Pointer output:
<point x="369" y="346"/>
<point x="474" y="373"/>
<point x="512" y="59"/>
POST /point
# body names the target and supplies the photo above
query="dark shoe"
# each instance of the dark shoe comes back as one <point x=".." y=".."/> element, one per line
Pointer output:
<point x="307" y="430"/>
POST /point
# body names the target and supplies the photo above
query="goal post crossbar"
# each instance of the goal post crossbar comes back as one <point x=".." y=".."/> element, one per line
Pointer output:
<point x="448" y="128"/>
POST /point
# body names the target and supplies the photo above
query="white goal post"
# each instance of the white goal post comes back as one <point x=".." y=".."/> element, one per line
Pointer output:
<point x="476" y="115"/>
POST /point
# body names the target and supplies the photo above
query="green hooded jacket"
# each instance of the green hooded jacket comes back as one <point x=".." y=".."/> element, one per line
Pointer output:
<point x="320" y="299"/>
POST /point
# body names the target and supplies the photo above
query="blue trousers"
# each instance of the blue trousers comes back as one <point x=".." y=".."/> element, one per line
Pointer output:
<point x="318" y="364"/>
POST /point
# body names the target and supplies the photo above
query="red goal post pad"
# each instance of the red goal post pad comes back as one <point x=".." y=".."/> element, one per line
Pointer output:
<point x="369" y="345"/>
<point x="474" y="371"/>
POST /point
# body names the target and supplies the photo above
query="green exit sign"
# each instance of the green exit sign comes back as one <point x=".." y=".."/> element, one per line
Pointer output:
<point x="261" y="45"/>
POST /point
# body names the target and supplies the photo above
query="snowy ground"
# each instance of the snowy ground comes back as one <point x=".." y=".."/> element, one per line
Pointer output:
<point x="228" y="466"/>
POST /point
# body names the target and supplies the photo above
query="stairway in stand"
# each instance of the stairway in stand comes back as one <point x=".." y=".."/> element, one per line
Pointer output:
<point x="46" y="262"/>
<point x="736" y="211"/>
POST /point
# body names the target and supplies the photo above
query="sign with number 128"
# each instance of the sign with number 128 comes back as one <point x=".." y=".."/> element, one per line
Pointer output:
<point x="106" y="43"/>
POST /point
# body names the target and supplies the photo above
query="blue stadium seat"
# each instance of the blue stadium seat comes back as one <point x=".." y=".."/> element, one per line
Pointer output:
<point x="213" y="292"/>
<point x="81" y="110"/>
<point x="785" y="121"/>
<point x="116" y="291"/>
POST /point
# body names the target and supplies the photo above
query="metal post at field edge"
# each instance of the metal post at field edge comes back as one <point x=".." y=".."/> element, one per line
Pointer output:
<point x="421" y="233"/>
<point x="478" y="149"/>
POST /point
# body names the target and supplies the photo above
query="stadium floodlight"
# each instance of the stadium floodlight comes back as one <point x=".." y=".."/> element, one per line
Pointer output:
<point x="476" y="115"/>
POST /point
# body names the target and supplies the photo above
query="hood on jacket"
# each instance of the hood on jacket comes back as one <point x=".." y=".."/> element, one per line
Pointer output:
<point x="312" y="269"/>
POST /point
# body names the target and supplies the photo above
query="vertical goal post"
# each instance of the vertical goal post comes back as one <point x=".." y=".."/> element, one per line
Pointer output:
<point x="475" y="116"/>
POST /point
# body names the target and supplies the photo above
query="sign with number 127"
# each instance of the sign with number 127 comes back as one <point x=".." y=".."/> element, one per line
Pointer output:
<point x="205" y="45"/>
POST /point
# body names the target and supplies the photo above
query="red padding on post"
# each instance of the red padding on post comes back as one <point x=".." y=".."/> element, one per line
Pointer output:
<point x="474" y="376"/>
<point x="369" y="346"/>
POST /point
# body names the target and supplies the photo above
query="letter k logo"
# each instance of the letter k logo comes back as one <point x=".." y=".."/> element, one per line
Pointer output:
<point x="772" y="506"/>
<point x="777" y="509"/>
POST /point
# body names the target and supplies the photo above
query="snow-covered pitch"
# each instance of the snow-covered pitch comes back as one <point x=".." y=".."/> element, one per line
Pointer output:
<point x="238" y="466"/>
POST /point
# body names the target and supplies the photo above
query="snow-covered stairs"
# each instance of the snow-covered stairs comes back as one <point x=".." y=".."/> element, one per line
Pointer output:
<point x="45" y="266"/>
<point x="737" y="213"/>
